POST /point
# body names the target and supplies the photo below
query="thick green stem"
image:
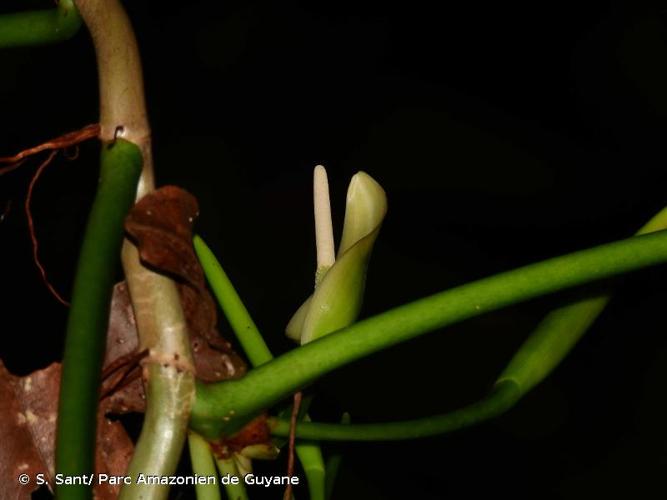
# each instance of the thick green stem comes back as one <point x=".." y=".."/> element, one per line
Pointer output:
<point x="39" y="27"/>
<point x="240" y="400"/>
<point x="89" y="314"/>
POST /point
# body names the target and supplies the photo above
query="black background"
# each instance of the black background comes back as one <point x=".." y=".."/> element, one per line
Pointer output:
<point x="503" y="134"/>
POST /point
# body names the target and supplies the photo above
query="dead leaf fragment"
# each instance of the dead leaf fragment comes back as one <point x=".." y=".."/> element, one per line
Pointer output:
<point x="29" y="405"/>
<point x="161" y="226"/>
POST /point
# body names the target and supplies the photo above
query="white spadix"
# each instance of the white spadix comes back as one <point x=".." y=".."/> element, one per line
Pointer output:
<point x="337" y="299"/>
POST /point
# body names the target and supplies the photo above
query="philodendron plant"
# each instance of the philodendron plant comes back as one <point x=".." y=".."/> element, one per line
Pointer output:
<point x="175" y="368"/>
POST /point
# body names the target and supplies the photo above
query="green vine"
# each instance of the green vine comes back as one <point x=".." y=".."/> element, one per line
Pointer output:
<point x="222" y="408"/>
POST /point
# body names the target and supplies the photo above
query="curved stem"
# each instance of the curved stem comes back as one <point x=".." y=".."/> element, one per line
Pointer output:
<point x="222" y="408"/>
<point x="503" y="397"/>
<point x="544" y="349"/>
<point x="561" y="329"/>
<point x="89" y="314"/>
<point x="168" y="370"/>
<point x="122" y="102"/>
<point x="39" y="27"/>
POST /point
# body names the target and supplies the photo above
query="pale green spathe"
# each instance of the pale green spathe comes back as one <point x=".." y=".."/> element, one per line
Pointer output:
<point x="337" y="299"/>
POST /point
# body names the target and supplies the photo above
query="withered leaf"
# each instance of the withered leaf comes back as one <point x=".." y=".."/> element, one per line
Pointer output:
<point x="122" y="388"/>
<point x="29" y="405"/>
<point x="126" y="394"/>
<point x="161" y="226"/>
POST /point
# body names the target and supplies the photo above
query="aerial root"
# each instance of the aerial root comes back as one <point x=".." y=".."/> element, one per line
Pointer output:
<point x="63" y="142"/>
<point x="31" y="229"/>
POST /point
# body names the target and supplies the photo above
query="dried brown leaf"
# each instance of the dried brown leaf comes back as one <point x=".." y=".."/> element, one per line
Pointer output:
<point x="30" y="406"/>
<point x="161" y="226"/>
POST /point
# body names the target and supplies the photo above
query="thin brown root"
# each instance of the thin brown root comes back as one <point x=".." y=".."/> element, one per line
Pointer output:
<point x="296" y="407"/>
<point x="71" y="153"/>
<point x="11" y="168"/>
<point x="68" y="140"/>
<point x="31" y="228"/>
<point x="61" y="142"/>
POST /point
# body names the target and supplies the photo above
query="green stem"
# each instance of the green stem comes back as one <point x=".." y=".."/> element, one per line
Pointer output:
<point x="168" y="369"/>
<point x="89" y="314"/>
<point x="503" y="397"/>
<point x="333" y="464"/>
<point x="312" y="462"/>
<point x="257" y="351"/>
<point x="235" y="311"/>
<point x="544" y="349"/>
<point x="39" y="27"/>
<point x="239" y="400"/>
<point x="203" y="465"/>
<point x="237" y="491"/>
<point x="560" y="330"/>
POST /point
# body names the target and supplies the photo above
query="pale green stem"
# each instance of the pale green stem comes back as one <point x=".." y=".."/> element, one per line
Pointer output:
<point x="203" y="464"/>
<point x="168" y="368"/>
<point x="312" y="462"/>
<point x="227" y="467"/>
<point x="121" y="84"/>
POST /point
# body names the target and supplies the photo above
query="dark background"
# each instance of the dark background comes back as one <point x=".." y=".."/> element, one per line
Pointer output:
<point x="503" y="134"/>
